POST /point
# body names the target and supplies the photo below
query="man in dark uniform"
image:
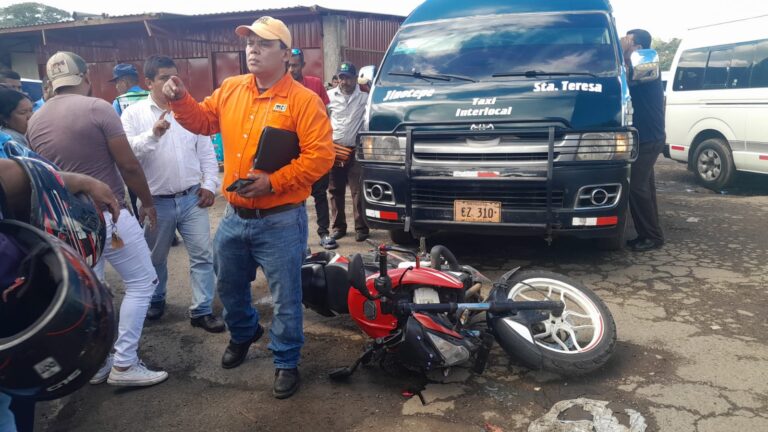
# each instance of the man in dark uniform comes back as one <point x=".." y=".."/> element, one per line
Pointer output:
<point x="648" y="118"/>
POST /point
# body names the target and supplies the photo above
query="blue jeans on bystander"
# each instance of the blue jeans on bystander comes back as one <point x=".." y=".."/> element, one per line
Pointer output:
<point x="182" y="213"/>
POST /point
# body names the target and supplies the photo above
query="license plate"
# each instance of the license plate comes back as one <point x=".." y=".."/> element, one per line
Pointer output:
<point x="477" y="211"/>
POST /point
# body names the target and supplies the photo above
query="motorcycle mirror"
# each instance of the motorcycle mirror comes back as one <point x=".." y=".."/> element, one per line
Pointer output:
<point x="357" y="274"/>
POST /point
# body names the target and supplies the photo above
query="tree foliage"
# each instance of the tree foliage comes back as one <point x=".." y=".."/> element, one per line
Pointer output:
<point x="666" y="50"/>
<point x="27" y="14"/>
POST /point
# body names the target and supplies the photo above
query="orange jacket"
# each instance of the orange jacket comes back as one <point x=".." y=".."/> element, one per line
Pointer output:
<point x="239" y="112"/>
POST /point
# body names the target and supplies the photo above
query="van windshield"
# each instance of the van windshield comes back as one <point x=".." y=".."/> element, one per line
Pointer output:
<point x="509" y="47"/>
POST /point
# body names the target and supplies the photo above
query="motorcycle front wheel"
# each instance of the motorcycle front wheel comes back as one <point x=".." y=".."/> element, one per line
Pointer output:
<point x="579" y="341"/>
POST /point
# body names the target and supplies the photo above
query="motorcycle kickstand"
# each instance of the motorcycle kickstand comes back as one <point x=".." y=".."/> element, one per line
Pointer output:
<point x="347" y="371"/>
<point x="415" y="391"/>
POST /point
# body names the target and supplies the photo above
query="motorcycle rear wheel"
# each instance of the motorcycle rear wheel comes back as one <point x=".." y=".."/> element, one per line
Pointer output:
<point x="578" y="342"/>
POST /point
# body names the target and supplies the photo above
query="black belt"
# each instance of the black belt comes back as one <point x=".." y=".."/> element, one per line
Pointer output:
<point x="247" y="213"/>
<point x="177" y="195"/>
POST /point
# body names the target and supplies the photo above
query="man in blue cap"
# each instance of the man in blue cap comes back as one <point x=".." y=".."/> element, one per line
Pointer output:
<point x="126" y="79"/>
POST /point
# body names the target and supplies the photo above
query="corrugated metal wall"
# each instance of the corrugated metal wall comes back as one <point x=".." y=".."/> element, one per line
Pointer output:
<point x="204" y="46"/>
<point x="369" y="38"/>
<point x="193" y="45"/>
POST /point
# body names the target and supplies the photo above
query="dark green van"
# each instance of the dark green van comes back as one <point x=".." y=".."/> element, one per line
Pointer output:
<point x="500" y="117"/>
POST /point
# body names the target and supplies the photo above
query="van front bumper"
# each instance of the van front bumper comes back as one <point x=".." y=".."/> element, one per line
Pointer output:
<point x="525" y="209"/>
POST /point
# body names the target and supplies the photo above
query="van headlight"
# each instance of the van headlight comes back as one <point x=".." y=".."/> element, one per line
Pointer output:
<point x="383" y="148"/>
<point x="603" y="146"/>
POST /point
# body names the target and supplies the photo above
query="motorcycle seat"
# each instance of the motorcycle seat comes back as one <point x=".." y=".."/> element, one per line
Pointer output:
<point x="314" y="288"/>
<point x="337" y="283"/>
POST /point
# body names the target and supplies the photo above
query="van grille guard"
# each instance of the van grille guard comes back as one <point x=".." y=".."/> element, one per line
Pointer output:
<point x="574" y="148"/>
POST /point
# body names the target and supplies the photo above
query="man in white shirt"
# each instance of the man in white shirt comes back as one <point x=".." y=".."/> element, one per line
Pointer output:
<point x="347" y="109"/>
<point x="182" y="174"/>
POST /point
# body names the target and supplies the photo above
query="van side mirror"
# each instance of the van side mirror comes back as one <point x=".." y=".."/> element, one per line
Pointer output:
<point x="645" y="65"/>
<point x="366" y="74"/>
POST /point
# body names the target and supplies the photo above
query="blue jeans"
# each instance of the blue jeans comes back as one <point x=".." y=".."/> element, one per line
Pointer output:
<point x="192" y="222"/>
<point x="275" y="243"/>
<point x="7" y="422"/>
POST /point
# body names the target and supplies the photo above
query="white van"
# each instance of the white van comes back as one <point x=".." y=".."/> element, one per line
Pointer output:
<point x="717" y="101"/>
<point x="665" y="75"/>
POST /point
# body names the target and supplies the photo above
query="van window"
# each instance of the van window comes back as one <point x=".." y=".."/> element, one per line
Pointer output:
<point x="760" y="66"/>
<point x="741" y="64"/>
<point x="733" y="66"/>
<point x="480" y="47"/>
<point x="690" y="70"/>
<point x="716" y="73"/>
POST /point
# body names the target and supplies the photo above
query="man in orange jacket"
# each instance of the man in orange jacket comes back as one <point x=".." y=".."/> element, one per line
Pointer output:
<point x="265" y="223"/>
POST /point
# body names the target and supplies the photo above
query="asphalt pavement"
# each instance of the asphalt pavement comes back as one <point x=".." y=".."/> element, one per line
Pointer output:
<point x="691" y="354"/>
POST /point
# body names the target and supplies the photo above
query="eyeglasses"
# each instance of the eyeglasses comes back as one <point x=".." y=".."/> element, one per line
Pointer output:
<point x="296" y="51"/>
<point x="261" y="43"/>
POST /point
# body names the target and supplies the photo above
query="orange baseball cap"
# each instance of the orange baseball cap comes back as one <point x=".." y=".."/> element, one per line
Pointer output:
<point x="267" y="28"/>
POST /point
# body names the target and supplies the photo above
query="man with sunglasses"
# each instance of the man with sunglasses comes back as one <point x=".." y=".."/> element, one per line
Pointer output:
<point x="319" y="188"/>
<point x="296" y="66"/>
<point x="265" y="223"/>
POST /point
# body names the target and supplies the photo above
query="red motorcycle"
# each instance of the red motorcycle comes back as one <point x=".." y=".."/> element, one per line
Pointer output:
<point x="430" y="314"/>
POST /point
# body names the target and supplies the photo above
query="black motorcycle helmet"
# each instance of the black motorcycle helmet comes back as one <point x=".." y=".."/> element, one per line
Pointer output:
<point x="73" y="218"/>
<point x="56" y="318"/>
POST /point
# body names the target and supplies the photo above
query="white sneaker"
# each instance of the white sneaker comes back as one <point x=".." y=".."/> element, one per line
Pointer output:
<point x="136" y="376"/>
<point x="103" y="372"/>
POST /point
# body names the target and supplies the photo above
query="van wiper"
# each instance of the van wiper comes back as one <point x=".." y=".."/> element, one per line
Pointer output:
<point x="436" y="77"/>
<point x="535" y="73"/>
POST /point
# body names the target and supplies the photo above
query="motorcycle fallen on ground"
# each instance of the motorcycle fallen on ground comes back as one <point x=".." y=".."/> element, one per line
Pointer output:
<point x="429" y="313"/>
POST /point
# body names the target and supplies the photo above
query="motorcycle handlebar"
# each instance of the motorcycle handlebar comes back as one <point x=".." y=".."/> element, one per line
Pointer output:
<point x="383" y="259"/>
<point x="403" y="250"/>
<point x="556" y="307"/>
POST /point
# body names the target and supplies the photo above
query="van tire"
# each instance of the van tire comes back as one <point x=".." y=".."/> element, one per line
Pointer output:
<point x="401" y="237"/>
<point x="713" y="164"/>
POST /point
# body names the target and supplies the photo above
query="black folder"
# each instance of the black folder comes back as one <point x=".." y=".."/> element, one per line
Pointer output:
<point x="277" y="148"/>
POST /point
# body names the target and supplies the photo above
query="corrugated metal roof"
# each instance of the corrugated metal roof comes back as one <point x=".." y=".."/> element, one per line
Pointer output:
<point x="26" y="26"/>
<point x="307" y="9"/>
<point x="90" y="22"/>
<point x="123" y="19"/>
<point x="251" y="11"/>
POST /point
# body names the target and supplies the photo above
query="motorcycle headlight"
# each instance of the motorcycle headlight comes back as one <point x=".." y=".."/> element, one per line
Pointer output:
<point x="452" y="354"/>
<point x="603" y="146"/>
<point x="383" y="148"/>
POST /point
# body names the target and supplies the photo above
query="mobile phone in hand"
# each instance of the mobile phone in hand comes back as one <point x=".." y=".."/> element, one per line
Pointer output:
<point x="237" y="184"/>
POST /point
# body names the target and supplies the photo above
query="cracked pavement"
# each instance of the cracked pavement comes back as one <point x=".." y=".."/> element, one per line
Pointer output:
<point x="691" y="354"/>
